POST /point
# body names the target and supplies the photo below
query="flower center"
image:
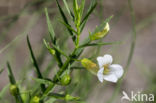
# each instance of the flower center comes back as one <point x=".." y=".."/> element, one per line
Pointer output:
<point x="106" y="69"/>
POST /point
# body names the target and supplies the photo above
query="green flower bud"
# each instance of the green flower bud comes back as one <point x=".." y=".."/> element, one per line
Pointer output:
<point x="70" y="98"/>
<point x="52" y="51"/>
<point x="100" y="34"/>
<point x="13" y="90"/>
<point x="65" y="80"/>
<point x="35" y="99"/>
<point x="89" y="65"/>
<point x="24" y="96"/>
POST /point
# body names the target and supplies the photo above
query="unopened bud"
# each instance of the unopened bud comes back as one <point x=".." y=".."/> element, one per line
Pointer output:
<point x="35" y="99"/>
<point x="52" y="51"/>
<point x="65" y="80"/>
<point x="100" y="34"/>
<point x="13" y="90"/>
<point x="89" y="65"/>
<point x="70" y="98"/>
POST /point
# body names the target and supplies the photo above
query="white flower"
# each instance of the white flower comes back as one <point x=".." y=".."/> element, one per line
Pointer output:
<point x="108" y="71"/>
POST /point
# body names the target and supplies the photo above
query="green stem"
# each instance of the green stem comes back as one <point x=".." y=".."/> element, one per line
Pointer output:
<point x="78" y="35"/>
<point x="59" y="73"/>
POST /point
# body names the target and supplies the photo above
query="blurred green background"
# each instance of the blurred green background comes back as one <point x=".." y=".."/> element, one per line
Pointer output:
<point x="21" y="17"/>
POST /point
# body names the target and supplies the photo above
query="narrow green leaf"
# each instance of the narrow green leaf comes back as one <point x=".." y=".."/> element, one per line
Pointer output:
<point x="42" y="81"/>
<point x="97" y="44"/>
<point x="65" y="20"/>
<point x="35" y="63"/>
<point x="71" y="98"/>
<point x="46" y="44"/>
<point x="10" y="74"/>
<point x="101" y="27"/>
<point x="49" y="88"/>
<point x="82" y="7"/>
<point x="54" y="52"/>
<point x="50" y="27"/>
<point x="83" y="25"/>
<point x="57" y="95"/>
<point x="90" y="10"/>
<point x="59" y="51"/>
<point x="69" y="27"/>
<point x="68" y="10"/>
<point x="58" y="58"/>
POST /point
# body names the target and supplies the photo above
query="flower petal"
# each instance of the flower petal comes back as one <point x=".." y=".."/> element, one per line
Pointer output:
<point x="111" y="78"/>
<point x="107" y="59"/>
<point x="100" y="61"/>
<point x="116" y="69"/>
<point x="100" y="74"/>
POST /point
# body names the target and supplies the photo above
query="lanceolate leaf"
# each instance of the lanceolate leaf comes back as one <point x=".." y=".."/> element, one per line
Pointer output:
<point x="56" y="95"/>
<point x="59" y="51"/>
<point x="10" y="74"/>
<point x="35" y="63"/>
<point x="97" y="44"/>
<point x="65" y="20"/>
<point x="69" y="11"/>
<point x="54" y="51"/>
<point x="82" y="7"/>
<point x="42" y="81"/>
<point x="50" y="27"/>
<point x="69" y="27"/>
<point x="101" y="27"/>
<point x="90" y="10"/>
<point x="82" y="25"/>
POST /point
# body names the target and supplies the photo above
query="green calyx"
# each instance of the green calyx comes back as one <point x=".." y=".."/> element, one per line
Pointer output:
<point x="35" y="99"/>
<point x="100" y="34"/>
<point x="89" y="65"/>
<point x="13" y="90"/>
<point x="65" y="80"/>
<point x="70" y="98"/>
